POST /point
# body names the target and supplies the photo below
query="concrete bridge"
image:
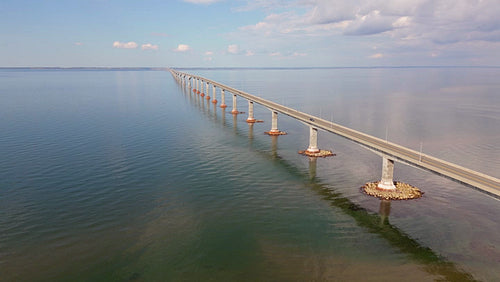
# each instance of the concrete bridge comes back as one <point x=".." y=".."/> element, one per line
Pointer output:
<point x="390" y="152"/>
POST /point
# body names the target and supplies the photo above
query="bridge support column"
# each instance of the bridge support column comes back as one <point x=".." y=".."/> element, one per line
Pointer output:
<point x="189" y="82"/>
<point x="234" y="111"/>
<point x="201" y="89"/>
<point x="313" y="150"/>
<point x="250" y="118"/>
<point x="208" y="92"/>
<point x="223" y="99"/>
<point x="274" y="125"/>
<point x="387" y="182"/>
<point x="195" y="90"/>
<point x="313" y="140"/>
<point x="214" y="100"/>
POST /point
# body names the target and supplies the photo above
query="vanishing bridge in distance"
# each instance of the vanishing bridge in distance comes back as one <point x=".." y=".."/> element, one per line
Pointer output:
<point x="389" y="151"/>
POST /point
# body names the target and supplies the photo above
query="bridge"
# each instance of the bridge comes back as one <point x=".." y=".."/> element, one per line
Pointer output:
<point x="389" y="151"/>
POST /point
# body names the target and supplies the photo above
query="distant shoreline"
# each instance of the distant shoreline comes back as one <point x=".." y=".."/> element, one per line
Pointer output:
<point x="243" y="68"/>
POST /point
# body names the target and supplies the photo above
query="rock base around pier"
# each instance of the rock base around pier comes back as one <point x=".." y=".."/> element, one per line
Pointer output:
<point x="254" y="121"/>
<point x="320" y="154"/>
<point x="403" y="191"/>
<point x="275" y="133"/>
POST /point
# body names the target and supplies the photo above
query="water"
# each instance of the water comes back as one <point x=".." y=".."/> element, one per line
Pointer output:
<point x="125" y="175"/>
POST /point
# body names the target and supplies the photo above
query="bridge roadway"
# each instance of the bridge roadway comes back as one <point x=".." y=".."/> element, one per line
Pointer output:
<point x="485" y="183"/>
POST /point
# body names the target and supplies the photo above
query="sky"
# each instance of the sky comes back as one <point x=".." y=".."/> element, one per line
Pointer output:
<point x="244" y="33"/>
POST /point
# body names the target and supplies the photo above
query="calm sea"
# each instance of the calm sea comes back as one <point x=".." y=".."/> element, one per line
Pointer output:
<point x="114" y="175"/>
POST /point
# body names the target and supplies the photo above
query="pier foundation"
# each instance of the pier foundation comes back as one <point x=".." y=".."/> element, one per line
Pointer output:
<point x="313" y="150"/>
<point x="250" y="118"/>
<point x="313" y="140"/>
<point x="214" y="99"/>
<point x="387" y="182"/>
<point x="274" y="125"/>
<point x="222" y="99"/>
<point x="234" y="111"/>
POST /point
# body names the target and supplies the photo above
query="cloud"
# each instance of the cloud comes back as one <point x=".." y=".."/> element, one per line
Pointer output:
<point x="406" y="31"/>
<point x="377" y="56"/>
<point x="249" y="53"/>
<point x="123" y="45"/>
<point x="182" y="48"/>
<point x="78" y="44"/>
<point x="371" y="23"/>
<point x="149" y="46"/>
<point x="440" y="21"/>
<point x="209" y="53"/>
<point x="233" y="49"/>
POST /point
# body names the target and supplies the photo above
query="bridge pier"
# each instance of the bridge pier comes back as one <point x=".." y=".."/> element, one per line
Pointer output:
<point x="202" y="94"/>
<point x="208" y="92"/>
<point x="387" y="182"/>
<point x="214" y="100"/>
<point x="195" y="82"/>
<point x="313" y="140"/>
<point x="250" y="118"/>
<point x="313" y="150"/>
<point x="234" y="111"/>
<point x="223" y="98"/>
<point x="274" y="125"/>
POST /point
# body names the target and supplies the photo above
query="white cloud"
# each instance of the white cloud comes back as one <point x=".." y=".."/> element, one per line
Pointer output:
<point x="406" y="29"/>
<point x="123" y="45"/>
<point x="209" y="53"/>
<point x="149" y="46"/>
<point x="371" y="23"/>
<point x="182" y="48"/>
<point x="233" y="49"/>
<point x="377" y="56"/>
<point x="78" y="43"/>
<point x="442" y="21"/>
<point x="249" y="53"/>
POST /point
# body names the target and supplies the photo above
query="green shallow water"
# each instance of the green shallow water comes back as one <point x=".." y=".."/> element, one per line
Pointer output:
<point x="126" y="175"/>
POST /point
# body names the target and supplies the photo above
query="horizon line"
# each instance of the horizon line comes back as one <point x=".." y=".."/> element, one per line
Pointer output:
<point x="229" y="67"/>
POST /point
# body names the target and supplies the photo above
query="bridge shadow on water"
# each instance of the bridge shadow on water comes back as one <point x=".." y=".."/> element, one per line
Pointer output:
<point x="375" y="223"/>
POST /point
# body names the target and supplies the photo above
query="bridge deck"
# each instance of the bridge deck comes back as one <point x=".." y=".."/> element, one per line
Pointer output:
<point x="480" y="181"/>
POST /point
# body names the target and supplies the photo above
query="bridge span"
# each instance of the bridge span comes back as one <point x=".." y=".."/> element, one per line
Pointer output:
<point x="389" y="151"/>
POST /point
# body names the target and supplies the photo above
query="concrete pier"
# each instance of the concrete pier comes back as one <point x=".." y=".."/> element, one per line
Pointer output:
<point x="208" y="91"/>
<point x="274" y="125"/>
<point x="202" y="94"/>
<point x="250" y="118"/>
<point x="387" y="182"/>
<point x="235" y="110"/>
<point x="313" y="140"/>
<point x="214" y="99"/>
<point x="223" y="99"/>
<point x="313" y="150"/>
